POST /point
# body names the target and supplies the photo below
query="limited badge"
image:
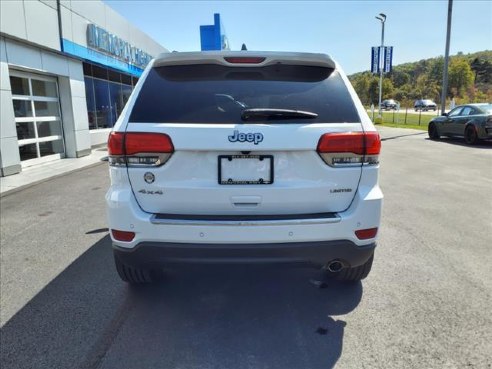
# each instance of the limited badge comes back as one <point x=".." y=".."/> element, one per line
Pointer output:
<point x="149" y="177"/>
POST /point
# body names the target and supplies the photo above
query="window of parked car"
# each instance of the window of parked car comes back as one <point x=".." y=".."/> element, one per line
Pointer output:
<point x="487" y="109"/>
<point x="455" y="112"/>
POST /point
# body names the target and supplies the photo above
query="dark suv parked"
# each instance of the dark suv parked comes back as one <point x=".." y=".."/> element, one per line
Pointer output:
<point x="389" y="104"/>
<point x="425" y="105"/>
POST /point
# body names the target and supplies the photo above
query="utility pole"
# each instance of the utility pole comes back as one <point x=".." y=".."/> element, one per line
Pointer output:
<point x="382" y="18"/>
<point x="446" y="59"/>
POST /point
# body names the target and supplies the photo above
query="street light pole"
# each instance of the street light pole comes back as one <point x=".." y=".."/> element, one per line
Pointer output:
<point x="446" y="59"/>
<point x="382" y="18"/>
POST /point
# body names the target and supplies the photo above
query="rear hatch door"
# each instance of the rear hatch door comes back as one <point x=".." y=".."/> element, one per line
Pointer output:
<point x="234" y="153"/>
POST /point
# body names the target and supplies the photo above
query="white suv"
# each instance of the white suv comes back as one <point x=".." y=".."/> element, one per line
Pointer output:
<point x="243" y="157"/>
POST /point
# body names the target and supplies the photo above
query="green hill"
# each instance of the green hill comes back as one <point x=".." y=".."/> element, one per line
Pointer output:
<point x="469" y="76"/>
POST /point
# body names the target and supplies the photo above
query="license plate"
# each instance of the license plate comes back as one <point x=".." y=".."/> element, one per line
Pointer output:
<point x="245" y="169"/>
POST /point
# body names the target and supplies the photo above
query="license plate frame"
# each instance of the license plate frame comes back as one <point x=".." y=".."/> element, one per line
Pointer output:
<point x="259" y="181"/>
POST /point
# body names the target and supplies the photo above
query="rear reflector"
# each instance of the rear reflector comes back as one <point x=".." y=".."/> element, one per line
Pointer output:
<point x="244" y="60"/>
<point x="122" y="235"/>
<point x="364" y="234"/>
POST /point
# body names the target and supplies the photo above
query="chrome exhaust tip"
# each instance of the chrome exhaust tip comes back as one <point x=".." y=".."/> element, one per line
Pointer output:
<point x="334" y="266"/>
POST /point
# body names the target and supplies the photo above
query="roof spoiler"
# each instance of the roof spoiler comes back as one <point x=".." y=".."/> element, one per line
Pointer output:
<point x="240" y="59"/>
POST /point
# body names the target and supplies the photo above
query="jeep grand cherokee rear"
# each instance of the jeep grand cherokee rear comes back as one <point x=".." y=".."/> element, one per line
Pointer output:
<point x="243" y="157"/>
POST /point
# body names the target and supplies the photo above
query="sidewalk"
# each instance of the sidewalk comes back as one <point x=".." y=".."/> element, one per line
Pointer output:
<point x="39" y="173"/>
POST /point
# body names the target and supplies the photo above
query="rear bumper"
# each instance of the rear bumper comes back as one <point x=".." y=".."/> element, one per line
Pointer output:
<point x="317" y="254"/>
<point x="364" y="213"/>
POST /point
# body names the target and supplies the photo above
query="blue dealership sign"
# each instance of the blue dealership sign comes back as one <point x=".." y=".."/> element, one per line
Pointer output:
<point x="381" y="55"/>
<point x="375" y="59"/>
<point x="388" y="59"/>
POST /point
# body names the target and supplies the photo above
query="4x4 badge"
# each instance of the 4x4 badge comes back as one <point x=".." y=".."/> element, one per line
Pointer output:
<point x="250" y="137"/>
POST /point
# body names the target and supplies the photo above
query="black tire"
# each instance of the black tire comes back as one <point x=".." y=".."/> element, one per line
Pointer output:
<point x="471" y="137"/>
<point x="433" y="133"/>
<point x="354" y="274"/>
<point x="132" y="275"/>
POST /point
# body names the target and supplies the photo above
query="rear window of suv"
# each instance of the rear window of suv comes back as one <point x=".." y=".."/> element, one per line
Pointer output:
<point x="218" y="94"/>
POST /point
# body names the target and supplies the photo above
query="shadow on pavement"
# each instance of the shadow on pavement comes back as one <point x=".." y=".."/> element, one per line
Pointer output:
<point x="197" y="317"/>
<point x="487" y="144"/>
<point x="400" y="136"/>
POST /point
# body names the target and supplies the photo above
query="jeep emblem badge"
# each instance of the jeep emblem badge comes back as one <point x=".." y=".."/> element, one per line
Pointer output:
<point x="149" y="177"/>
<point x="242" y="137"/>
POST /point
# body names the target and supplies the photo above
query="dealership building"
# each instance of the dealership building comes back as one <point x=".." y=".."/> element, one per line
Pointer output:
<point x="67" y="69"/>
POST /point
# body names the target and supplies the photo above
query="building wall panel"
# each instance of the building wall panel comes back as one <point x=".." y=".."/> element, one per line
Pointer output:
<point x="7" y="119"/>
<point x="12" y="18"/>
<point x="90" y="10"/>
<point x="10" y="155"/>
<point x="42" y="24"/>
<point x="80" y="118"/>
<point x="23" y="56"/>
<point x="54" y="63"/>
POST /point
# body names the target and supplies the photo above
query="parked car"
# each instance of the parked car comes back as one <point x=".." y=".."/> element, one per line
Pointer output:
<point x="389" y="104"/>
<point x="241" y="157"/>
<point x="425" y="105"/>
<point x="472" y="121"/>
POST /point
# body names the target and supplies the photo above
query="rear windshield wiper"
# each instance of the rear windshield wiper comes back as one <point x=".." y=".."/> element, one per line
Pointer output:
<point x="275" y="114"/>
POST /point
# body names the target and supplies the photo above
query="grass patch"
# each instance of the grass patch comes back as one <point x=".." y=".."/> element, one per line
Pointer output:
<point x="412" y="126"/>
<point x="402" y="120"/>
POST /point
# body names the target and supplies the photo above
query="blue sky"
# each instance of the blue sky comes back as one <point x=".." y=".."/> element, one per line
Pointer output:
<point x="346" y="30"/>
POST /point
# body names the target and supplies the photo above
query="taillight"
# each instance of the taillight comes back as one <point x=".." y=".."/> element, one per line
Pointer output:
<point x="244" y="59"/>
<point x="139" y="149"/>
<point x="343" y="149"/>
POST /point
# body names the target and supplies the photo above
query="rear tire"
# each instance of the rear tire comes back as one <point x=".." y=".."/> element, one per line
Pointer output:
<point x="132" y="275"/>
<point x="471" y="137"/>
<point x="354" y="274"/>
<point x="433" y="133"/>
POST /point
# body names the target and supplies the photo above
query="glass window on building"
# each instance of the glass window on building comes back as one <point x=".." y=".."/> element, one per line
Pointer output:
<point x="91" y="102"/>
<point x="37" y="117"/>
<point x="107" y="92"/>
<point x="103" y="108"/>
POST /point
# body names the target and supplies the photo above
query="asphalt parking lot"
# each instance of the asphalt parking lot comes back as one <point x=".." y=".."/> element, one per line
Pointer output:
<point x="426" y="304"/>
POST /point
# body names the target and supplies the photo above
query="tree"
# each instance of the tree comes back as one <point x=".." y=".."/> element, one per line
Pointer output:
<point x="470" y="79"/>
<point x="436" y="67"/>
<point x="427" y="89"/>
<point x="374" y="90"/>
<point x="460" y="76"/>
<point x="361" y="86"/>
<point x="400" y="78"/>
<point x="387" y="89"/>
<point x="482" y="69"/>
